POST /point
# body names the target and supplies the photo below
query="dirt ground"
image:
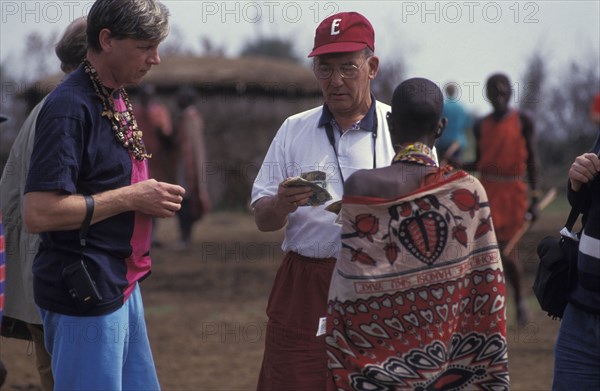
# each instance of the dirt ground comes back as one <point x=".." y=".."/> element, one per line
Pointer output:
<point x="205" y="309"/>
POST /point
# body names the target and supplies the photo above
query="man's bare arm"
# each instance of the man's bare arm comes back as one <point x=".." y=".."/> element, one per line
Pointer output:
<point x="55" y="211"/>
<point x="271" y="212"/>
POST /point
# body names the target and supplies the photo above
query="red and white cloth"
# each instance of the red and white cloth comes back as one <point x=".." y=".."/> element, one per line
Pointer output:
<point x="417" y="298"/>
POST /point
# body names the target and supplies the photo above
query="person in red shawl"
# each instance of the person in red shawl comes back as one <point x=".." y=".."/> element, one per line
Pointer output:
<point x="505" y="158"/>
<point x="595" y="109"/>
<point x="417" y="297"/>
<point x="191" y="164"/>
<point x="154" y="119"/>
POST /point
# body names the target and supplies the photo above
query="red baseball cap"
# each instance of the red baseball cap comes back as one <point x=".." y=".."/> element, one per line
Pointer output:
<point x="342" y="33"/>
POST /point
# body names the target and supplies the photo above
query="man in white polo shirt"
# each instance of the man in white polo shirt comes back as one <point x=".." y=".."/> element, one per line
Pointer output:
<point x="347" y="133"/>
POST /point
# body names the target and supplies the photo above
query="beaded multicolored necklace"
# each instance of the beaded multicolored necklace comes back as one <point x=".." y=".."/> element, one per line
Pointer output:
<point x="417" y="153"/>
<point x="124" y="124"/>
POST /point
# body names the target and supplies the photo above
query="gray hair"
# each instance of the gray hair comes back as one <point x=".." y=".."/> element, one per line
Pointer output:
<point x="72" y="46"/>
<point x="145" y="20"/>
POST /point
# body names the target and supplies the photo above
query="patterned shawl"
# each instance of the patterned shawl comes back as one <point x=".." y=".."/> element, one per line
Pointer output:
<point x="417" y="299"/>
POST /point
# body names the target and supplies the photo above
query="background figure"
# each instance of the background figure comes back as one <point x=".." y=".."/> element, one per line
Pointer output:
<point x="411" y="234"/>
<point x="191" y="164"/>
<point x="154" y="120"/>
<point x="505" y="156"/>
<point x="595" y="110"/>
<point x="88" y="175"/>
<point x="22" y="318"/>
<point x="453" y="141"/>
<point x="348" y="132"/>
<point x="577" y="349"/>
<point x="2" y="274"/>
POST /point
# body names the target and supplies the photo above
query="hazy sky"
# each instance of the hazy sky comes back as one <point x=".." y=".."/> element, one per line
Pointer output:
<point x="460" y="41"/>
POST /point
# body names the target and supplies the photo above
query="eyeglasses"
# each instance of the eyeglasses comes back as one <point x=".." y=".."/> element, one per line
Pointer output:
<point x="346" y="71"/>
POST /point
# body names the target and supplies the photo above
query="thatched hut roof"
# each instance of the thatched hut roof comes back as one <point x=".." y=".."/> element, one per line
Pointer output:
<point x="270" y="73"/>
<point x="254" y="75"/>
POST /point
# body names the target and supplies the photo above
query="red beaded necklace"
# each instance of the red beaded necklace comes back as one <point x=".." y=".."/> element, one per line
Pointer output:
<point x="123" y="123"/>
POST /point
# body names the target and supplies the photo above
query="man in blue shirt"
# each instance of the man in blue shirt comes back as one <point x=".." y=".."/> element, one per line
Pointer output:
<point x="453" y="141"/>
<point x="89" y="170"/>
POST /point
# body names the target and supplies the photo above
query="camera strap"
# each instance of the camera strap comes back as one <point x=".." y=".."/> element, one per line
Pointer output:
<point x="89" y="211"/>
<point x="331" y="138"/>
<point x="573" y="215"/>
<point x="567" y="231"/>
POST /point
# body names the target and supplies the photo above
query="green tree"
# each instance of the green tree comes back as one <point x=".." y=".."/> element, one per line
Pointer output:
<point x="563" y="126"/>
<point x="38" y="59"/>
<point x="390" y="74"/>
<point x="175" y="44"/>
<point x="533" y="84"/>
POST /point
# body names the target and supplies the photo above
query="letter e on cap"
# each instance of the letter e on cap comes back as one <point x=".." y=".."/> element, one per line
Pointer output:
<point x="335" y="24"/>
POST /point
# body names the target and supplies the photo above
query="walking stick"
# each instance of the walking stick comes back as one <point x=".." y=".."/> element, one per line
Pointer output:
<point x="544" y="202"/>
<point x="455" y="146"/>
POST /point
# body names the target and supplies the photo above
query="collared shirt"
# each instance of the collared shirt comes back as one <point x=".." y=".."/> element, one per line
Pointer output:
<point x="301" y="145"/>
<point x="368" y="122"/>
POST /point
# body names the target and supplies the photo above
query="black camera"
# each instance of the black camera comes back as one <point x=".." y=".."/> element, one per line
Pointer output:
<point x="82" y="287"/>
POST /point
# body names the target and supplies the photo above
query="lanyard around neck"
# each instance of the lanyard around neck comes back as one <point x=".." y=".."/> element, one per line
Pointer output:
<point x="331" y="138"/>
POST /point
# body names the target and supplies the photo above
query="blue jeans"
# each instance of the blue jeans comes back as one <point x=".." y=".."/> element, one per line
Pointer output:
<point x="577" y="352"/>
<point x="107" y="352"/>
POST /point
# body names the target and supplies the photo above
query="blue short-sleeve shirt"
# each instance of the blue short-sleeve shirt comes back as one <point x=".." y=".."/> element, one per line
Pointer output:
<point x="75" y="152"/>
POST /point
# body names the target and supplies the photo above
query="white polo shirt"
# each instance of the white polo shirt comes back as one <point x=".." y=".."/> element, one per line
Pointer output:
<point x="301" y="145"/>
